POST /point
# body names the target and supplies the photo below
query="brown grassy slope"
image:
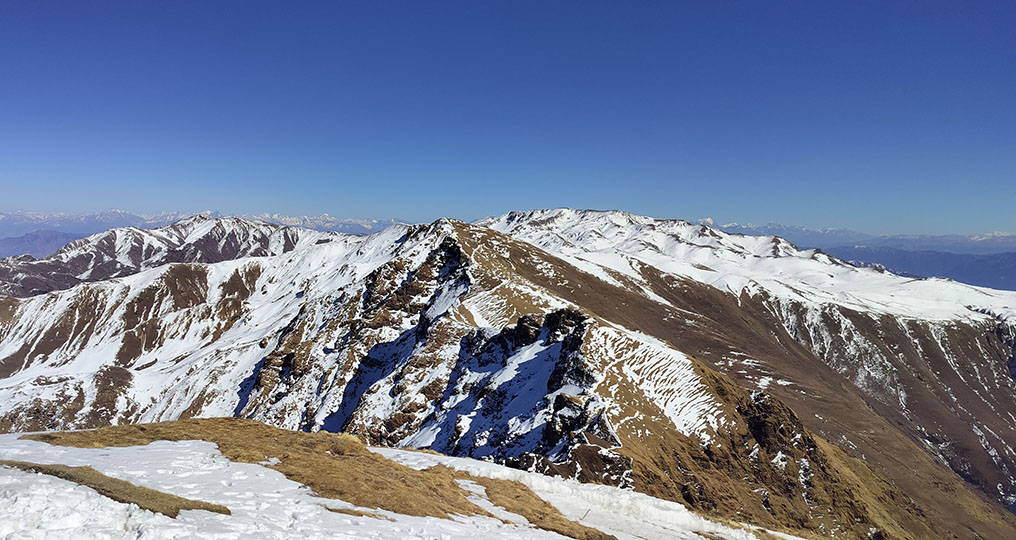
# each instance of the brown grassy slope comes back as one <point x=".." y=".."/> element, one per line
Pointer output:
<point x="336" y="466"/>
<point x="723" y="480"/>
<point x="716" y="323"/>
<point x="119" y="490"/>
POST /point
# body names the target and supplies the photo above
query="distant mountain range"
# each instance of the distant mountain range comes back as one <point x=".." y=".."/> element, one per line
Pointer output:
<point x="36" y="243"/>
<point x="987" y="260"/>
<point x="997" y="270"/>
<point x="42" y="233"/>
<point x="980" y="244"/>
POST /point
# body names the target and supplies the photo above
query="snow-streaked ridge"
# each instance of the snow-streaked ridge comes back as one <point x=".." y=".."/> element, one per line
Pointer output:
<point x="619" y="241"/>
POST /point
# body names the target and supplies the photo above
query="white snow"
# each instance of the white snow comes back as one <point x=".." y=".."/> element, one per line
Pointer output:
<point x="663" y="374"/>
<point x="737" y="263"/>
<point x="265" y="504"/>
<point x="625" y="514"/>
<point x="188" y="364"/>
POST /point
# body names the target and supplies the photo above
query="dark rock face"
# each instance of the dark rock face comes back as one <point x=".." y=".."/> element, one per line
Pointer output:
<point x="772" y="424"/>
<point x="525" y="332"/>
<point x="1007" y="335"/>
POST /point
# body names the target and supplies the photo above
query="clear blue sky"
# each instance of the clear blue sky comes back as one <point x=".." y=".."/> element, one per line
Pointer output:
<point x="889" y="117"/>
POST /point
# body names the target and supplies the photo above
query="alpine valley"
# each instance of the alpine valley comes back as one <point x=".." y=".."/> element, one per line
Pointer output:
<point x="755" y="383"/>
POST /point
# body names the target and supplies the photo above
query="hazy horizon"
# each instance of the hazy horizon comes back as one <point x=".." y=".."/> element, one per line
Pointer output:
<point x="707" y="220"/>
<point x="877" y="117"/>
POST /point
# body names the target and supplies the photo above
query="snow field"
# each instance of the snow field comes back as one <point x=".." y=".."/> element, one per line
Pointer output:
<point x="263" y="502"/>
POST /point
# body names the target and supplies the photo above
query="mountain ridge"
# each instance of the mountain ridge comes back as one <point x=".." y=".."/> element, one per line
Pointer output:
<point x="693" y="349"/>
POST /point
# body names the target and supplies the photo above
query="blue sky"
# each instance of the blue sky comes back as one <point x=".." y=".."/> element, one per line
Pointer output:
<point x="887" y="117"/>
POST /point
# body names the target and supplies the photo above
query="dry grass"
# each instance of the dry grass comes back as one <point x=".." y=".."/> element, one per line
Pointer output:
<point x="354" y="512"/>
<point x="119" y="490"/>
<point x="8" y="307"/>
<point x="517" y="498"/>
<point x="337" y="466"/>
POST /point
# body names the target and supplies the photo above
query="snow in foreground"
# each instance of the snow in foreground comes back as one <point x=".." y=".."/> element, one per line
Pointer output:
<point x="265" y="504"/>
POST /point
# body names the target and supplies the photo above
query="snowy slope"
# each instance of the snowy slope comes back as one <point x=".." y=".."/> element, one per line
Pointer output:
<point x="265" y="504"/>
<point x="167" y="389"/>
<point x="379" y="336"/>
<point x="170" y="375"/>
<point x="994" y="242"/>
<point x="622" y="513"/>
<point x="622" y="242"/>
<point x="932" y="355"/>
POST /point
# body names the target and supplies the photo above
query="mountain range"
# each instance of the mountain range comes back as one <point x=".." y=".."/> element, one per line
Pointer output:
<point x="976" y="244"/>
<point x="741" y="376"/>
<point x="41" y="233"/>
<point x="996" y="270"/>
<point x="38" y="243"/>
<point x="988" y="260"/>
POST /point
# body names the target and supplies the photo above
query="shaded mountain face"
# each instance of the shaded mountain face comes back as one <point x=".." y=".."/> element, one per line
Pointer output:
<point x="37" y="243"/>
<point x="738" y="375"/>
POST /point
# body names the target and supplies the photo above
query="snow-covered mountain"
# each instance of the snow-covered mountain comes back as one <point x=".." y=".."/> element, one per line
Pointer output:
<point x="18" y="223"/>
<point x="987" y="260"/>
<point x="738" y="375"/>
<point x="325" y="222"/>
<point x="126" y="251"/>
